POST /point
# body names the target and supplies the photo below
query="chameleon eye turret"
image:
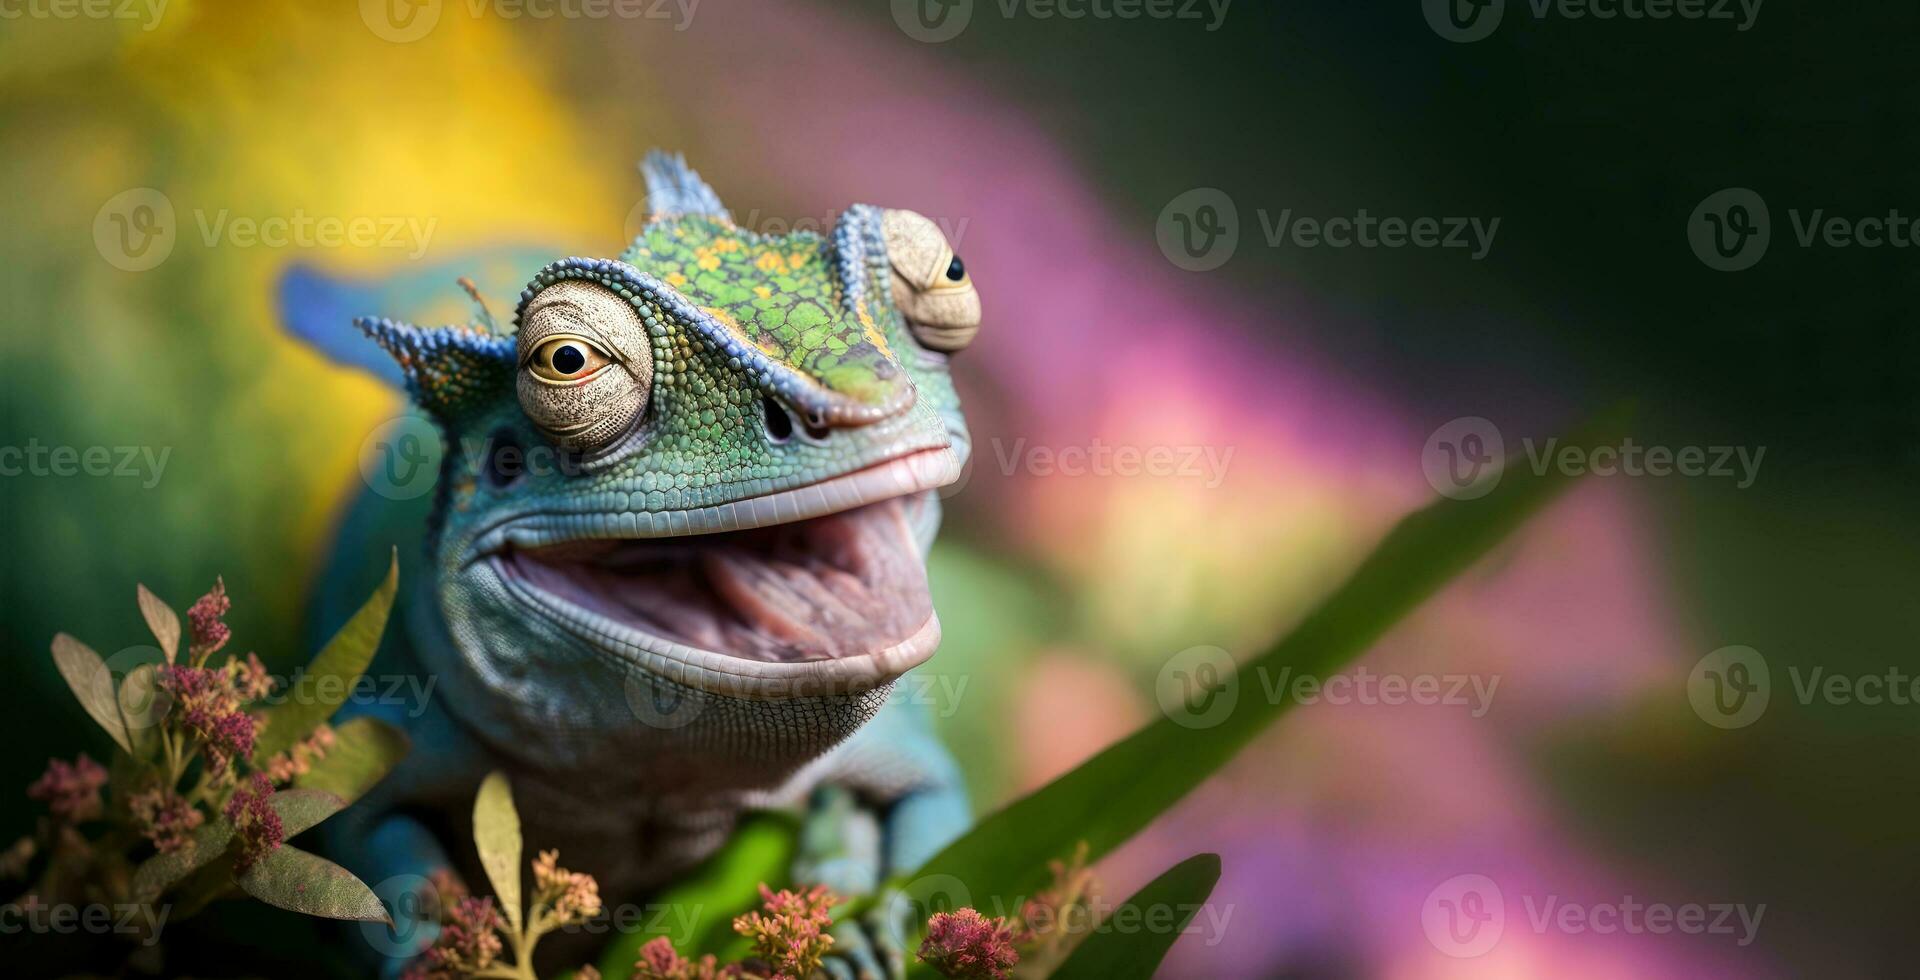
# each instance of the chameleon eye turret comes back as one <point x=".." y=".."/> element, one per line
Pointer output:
<point x="585" y="365"/>
<point x="930" y="283"/>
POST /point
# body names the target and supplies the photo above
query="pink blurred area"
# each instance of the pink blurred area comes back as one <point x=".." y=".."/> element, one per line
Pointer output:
<point x="1335" y="827"/>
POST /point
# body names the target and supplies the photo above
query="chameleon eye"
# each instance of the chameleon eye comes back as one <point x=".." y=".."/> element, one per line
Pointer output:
<point x="564" y="360"/>
<point x="930" y="283"/>
<point x="584" y="395"/>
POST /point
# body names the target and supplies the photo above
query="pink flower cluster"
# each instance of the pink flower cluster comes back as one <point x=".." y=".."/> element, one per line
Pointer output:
<point x="256" y="825"/>
<point x="165" y="817"/>
<point x="572" y="896"/>
<point x="964" y="944"/>
<point x="206" y="632"/>
<point x="284" y="767"/>
<point x="659" y="961"/>
<point x="791" y="931"/>
<point x="469" y="942"/>
<point x="207" y="705"/>
<point x="70" y="790"/>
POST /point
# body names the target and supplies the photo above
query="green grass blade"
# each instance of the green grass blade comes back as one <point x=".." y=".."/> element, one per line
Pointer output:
<point x="697" y="912"/>
<point x="1112" y="796"/>
<point x="1115" y="953"/>
<point x="332" y="675"/>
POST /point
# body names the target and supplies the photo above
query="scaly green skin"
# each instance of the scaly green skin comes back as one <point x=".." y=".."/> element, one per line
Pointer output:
<point x="635" y="762"/>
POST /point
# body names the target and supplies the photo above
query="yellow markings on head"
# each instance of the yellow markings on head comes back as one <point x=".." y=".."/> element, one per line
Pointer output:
<point x="676" y="280"/>
<point x="764" y="342"/>
<point x="797" y="260"/>
<point x="874" y="336"/>
<point x="770" y="263"/>
<point x="706" y="258"/>
<point x="726" y="245"/>
<point x="763" y="292"/>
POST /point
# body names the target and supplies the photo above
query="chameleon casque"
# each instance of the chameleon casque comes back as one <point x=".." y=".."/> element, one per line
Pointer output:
<point x="676" y="557"/>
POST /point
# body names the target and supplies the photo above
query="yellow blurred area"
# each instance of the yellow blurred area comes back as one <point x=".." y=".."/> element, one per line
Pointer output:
<point x="243" y="113"/>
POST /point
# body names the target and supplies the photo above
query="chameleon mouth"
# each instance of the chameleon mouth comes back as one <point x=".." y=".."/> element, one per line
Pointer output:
<point x="841" y="585"/>
<point x="816" y="590"/>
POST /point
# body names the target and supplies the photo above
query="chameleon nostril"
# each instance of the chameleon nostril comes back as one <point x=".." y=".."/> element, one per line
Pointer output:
<point x="779" y="423"/>
<point x="505" y="460"/>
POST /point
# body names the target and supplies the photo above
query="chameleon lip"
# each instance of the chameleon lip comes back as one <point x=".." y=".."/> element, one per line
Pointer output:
<point x="903" y="475"/>
<point x="785" y="606"/>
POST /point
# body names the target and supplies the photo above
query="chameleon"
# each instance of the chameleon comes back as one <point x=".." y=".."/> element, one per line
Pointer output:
<point x="674" y="559"/>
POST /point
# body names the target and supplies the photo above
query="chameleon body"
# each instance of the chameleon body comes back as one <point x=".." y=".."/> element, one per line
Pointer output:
<point x="675" y="557"/>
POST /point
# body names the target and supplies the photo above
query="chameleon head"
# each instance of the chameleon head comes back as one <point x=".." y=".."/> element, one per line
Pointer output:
<point x="689" y="499"/>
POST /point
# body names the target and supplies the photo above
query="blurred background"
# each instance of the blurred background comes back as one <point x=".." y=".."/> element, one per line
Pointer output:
<point x="1117" y="183"/>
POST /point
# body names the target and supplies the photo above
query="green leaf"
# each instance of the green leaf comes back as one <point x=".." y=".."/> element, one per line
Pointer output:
<point x="292" y="879"/>
<point x="160" y="619"/>
<point x="1113" y="795"/>
<point x="496" y="833"/>
<point x="696" y="913"/>
<point x="333" y="673"/>
<point x="163" y="871"/>
<point x="1114" y="954"/>
<point x="204" y="887"/>
<point x="92" y="683"/>
<point x="142" y="706"/>
<point x="302" y="809"/>
<point x="364" y="750"/>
